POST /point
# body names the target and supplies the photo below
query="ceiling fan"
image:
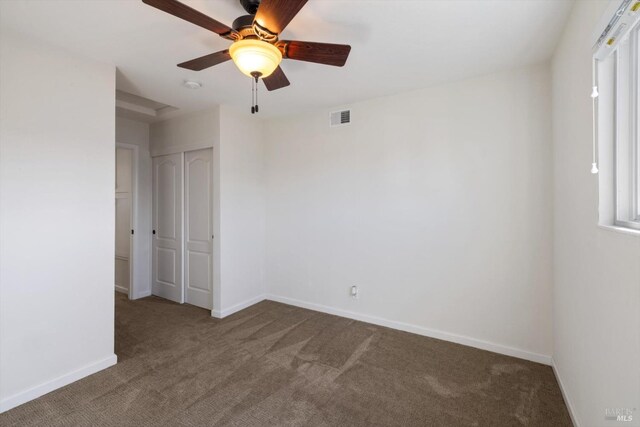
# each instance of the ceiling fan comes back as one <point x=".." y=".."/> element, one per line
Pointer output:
<point x="257" y="49"/>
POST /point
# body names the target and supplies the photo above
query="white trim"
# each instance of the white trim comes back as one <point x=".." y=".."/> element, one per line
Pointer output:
<point x="565" y="396"/>
<point x="133" y="222"/>
<point x="220" y="314"/>
<point x="182" y="249"/>
<point x="433" y="333"/>
<point x="175" y="149"/>
<point x="61" y="381"/>
<point x="136" y="108"/>
<point x="446" y="336"/>
<point x="618" y="229"/>
<point x="122" y="289"/>
<point x="216" y="265"/>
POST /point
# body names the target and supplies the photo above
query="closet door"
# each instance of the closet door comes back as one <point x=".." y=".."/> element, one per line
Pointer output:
<point x="198" y="228"/>
<point x="167" y="227"/>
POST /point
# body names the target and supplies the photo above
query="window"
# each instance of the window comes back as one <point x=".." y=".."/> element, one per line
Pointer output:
<point x="619" y="115"/>
<point x="627" y="148"/>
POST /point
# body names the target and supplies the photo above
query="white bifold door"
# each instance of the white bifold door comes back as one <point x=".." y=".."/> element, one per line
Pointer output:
<point x="198" y="228"/>
<point x="183" y="227"/>
<point x="167" y="227"/>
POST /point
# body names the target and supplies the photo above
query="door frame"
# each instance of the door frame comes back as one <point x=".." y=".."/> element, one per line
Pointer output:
<point x="215" y="179"/>
<point x="133" y="220"/>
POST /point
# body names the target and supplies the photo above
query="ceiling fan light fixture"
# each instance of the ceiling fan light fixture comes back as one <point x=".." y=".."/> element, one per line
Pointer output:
<point x="253" y="56"/>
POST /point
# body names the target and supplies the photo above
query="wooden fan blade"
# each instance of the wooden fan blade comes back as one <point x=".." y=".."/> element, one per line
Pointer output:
<point x="206" y="61"/>
<point x="276" y="80"/>
<point x="321" y="53"/>
<point x="185" y="12"/>
<point x="275" y="15"/>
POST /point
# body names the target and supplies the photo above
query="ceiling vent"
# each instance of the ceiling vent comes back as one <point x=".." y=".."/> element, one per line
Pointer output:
<point x="340" y="118"/>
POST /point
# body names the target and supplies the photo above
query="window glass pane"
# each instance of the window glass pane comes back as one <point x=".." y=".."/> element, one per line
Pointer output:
<point x="636" y="77"/>
<point x="623" y="137"/>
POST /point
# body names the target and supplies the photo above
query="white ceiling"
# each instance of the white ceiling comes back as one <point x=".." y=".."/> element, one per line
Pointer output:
<point x="396" y="45"/>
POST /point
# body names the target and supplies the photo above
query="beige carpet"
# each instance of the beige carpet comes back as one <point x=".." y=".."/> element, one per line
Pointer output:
<point x="275" y="365"/>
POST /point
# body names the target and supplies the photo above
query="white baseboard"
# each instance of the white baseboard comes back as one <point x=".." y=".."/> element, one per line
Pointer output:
<point x="446" y="336"/>
<point x="122" y="289"/>
<point x="61" y="381"/>
<point x="240" y="306"/>
<point x="565" y="396"/>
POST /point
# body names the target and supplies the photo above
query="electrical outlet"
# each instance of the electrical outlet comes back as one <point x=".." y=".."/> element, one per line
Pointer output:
<point x="354" y="291"/>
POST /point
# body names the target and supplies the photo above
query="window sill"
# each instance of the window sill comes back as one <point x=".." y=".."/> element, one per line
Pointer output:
<point x="622" y="230"/>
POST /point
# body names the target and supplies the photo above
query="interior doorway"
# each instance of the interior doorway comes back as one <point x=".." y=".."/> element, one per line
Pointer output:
<point x="124" y="217"/>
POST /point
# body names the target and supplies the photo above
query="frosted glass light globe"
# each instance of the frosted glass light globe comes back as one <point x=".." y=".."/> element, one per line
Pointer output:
<point x="255" y="56"/>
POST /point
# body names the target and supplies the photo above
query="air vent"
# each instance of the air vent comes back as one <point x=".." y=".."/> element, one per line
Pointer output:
<point x="340" y="118"/>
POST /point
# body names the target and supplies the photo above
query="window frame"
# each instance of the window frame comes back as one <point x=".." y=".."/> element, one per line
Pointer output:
<point x="631" y="178"/>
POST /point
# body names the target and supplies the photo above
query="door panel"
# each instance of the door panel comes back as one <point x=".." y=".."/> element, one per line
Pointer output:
<point x="123" y="225"/>
<point x="124" y="165"/>
<point x="199" y="227"/>
<point x="199" y="267"/>
<point x="168" y="199"/>
<point x="167" y="223"/>
<point x="123" y="242"/>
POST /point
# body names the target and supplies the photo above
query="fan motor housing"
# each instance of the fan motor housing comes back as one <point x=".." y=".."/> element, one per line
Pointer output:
<point x="248" y="29"/>
<point x="242" y="23"/>
<point x="244" y="26"/>
<point x="251" y="6"/>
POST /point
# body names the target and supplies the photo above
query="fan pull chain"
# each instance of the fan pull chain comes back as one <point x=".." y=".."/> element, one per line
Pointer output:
<point x="254" y="92"/>
<point x="257" y="95"/>
<point x="253" y="108"/>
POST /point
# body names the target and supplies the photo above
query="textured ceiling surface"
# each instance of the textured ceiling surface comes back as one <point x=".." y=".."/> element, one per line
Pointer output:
<point x="396" y="45"/>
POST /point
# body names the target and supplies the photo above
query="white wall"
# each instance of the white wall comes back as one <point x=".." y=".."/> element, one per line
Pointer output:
<point x="186" y="133"/>
<point x="596" y="271"/>
<point x="436" y="203"/>
<point x="242" y="209"/>
<point x="57" y="151"/>
<point x="238" y="196"/>
<point x="137" y="133"/>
